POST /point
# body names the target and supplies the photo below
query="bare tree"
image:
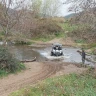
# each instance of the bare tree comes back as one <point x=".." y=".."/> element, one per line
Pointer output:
<point x="36" y="7"/>
<point x="50" y="7"/>
<point x="86" y="9"/>
<point x="85" y="15"/>
<point x="10" y="13"/>
<point x="46" y="7"/>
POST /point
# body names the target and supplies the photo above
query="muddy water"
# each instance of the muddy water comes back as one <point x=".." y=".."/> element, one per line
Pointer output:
<point x="25" y="52"/>
<point x="70" y="55"/>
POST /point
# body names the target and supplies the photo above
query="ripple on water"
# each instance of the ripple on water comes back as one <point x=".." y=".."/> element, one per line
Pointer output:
<point x="70" y="55"/>
<point x="25" y="52"/>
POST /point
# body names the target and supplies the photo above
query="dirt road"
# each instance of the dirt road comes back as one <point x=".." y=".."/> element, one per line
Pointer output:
<point x="35" y="71"/>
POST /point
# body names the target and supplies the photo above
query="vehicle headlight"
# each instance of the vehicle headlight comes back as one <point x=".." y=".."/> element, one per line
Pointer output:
<point x="53" y="51"/>
<point x="60" y="51"/>
<point x="57" y="51"/>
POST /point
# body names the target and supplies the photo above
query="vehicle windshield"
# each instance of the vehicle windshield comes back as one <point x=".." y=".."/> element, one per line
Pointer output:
<point x="57" y="47"/>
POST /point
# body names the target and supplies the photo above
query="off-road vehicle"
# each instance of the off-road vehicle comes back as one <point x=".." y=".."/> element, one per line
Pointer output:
<point x="56" y="50"/>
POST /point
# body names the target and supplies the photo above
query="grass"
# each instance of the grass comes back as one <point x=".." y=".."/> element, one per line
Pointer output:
<point x="50" y="37"/>
<point x="80" y="41"/>
<point x="92" y="45"/>
<point x="60" y="35"/>
<point x="68" y="27"/>
<point x="4" y="73"/>
<point x="65" y="26"/>
<point x="70" y="85"/>
<point x="92" y="48"/>
<point x="21" y="67"/>
<point x="44" y="39"/>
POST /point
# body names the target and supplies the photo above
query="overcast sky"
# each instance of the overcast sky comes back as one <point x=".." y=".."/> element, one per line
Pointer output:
<point x="64" y="10"/>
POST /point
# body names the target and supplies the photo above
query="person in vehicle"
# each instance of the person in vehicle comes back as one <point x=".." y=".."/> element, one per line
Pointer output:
<point x="56" y="50"/>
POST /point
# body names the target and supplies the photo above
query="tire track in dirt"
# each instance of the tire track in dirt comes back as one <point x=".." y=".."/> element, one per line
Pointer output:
<point x="48" y="69"/>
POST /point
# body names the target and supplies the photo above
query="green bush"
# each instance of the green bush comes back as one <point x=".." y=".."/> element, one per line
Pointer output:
<point x="3" y="73"/>
<point x="17" y="42"/>
<point x="8" y="63"/>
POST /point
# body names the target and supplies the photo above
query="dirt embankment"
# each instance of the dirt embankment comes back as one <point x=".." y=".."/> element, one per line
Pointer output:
<point x="64" y="41"/>
<point x="35" y="72"/>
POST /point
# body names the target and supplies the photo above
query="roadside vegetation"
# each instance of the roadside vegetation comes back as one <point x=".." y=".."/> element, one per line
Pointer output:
<point x="85" y="37"/>
<point x="82" y="34"/>
<point x="66" y="26"/>
<point x="8" y="64"/>
<point x="44" y="29"/>
<point x="47" y="29"/>
<point x="69" y="85"/>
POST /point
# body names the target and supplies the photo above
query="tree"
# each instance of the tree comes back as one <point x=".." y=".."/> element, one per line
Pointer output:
<point x="85" y="9"/>
<point x="50" y="7"/>
<point x="36" y="7"/>
<point x="46" y="7"/>
<point x="10" y="13"/>
<point x="85" y="15"/>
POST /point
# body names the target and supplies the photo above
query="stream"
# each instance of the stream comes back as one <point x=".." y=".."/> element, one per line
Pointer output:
<point x="42" y="54"/>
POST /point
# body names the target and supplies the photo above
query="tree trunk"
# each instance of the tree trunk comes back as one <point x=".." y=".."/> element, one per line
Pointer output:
<point x="6" y="35"/>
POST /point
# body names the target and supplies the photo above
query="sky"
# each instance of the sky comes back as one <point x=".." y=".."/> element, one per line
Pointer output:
<point x="64" y="10"/>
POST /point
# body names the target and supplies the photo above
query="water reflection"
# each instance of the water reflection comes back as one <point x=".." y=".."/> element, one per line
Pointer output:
<point x="70" y="55"/>
<point x="25" y="52"/>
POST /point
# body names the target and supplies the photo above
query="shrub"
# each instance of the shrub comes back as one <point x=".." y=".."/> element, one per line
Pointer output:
<point x="45" y="28"/>
<point x="86" y="33"/>
<point x="8" y="63"/>
<point x="21" y="42"/>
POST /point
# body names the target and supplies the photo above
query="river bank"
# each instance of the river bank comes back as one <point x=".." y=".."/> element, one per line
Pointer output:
<point x="35" y="72"/>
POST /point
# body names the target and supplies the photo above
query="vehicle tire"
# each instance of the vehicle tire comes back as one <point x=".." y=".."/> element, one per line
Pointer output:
<point x="51" y="54"/>
<point x="57" y="54"/>
<point x="61" y="53"/>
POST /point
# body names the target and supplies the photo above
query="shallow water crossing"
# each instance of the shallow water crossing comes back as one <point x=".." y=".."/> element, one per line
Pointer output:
<point x="70" y="55"/>
<point x="42" y="54"/>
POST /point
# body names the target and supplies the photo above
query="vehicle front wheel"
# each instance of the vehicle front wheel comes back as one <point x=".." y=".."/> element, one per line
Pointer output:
<point x="51" y="54"/>
<point x="61" y="53"/>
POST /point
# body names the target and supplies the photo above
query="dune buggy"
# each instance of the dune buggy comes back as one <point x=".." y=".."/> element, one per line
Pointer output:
<point x="56" y="50"/>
